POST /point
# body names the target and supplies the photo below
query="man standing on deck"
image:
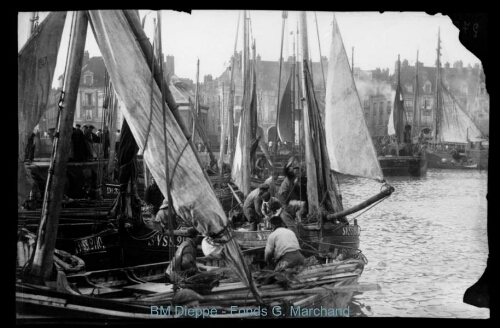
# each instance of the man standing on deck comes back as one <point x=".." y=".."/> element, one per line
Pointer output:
<point x="271" y="182"/>
<point x="153" y="196"/>
<point x="282" y="246"/>
<point x="253" y="205"/>
<point x="293" y="192"/>
<point x="77" y="138"/>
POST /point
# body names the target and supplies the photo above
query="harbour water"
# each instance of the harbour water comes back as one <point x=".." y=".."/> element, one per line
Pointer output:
<point x="426" y="244"/>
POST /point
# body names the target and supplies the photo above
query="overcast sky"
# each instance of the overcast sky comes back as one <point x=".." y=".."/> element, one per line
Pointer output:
<point x="209" y="35"/>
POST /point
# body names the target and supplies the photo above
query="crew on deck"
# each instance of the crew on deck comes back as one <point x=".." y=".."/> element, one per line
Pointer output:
<point x="253" y="205"/>
<point x="282" y="246"/>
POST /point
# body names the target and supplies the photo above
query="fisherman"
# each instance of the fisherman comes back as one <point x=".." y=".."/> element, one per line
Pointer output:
<point x="260" y="166"/>
<point x="253" y="205"/>
<point x="77" y="138"/>
<point x="183" y="265"/>
<point x="30" y="148"/>
<point x="282" y="246"/>
<point x="89" y="143"/>
<point x="293" y="191"/>
<point x="162" y="222"/>
<point x="153" y="196"/>
<point x="271" y="182"/>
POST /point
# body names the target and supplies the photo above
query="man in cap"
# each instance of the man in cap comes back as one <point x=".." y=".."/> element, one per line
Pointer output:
<point x="282" y="246"/>
<point x="183" y="265"/>
<point x="271" y="182"/>
<point x="162" y="220"/>
<point x="252" y="208"/>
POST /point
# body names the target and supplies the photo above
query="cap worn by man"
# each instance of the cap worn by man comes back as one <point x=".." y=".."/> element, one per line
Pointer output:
<point x="275" y="220"/>
<point x="263" y="186"/>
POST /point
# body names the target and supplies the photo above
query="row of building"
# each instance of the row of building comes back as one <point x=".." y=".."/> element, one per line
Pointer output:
<point x="376" y="89"/>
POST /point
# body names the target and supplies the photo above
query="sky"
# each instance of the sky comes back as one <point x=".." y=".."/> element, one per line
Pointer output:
<point x="209" y="35"/>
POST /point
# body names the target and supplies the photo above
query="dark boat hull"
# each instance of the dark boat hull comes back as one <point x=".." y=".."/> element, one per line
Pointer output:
<point x="403" y="166"/>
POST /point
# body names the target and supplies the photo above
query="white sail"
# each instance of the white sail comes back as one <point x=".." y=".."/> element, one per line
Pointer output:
<point x="192" y="196"/>
<point x="455" y="125"/>
<point x="349" y="144"/>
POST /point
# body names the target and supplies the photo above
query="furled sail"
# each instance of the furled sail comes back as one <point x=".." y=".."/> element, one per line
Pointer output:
<point x="285" y="123"/>
<point x="192" y="196"/>
<point x="350" y="147"/>
<point x="455" y="125"/>
<point x="36" y="63"/>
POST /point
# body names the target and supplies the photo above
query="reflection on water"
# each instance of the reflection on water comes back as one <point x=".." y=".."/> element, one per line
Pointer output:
<point x="426" y="244"/>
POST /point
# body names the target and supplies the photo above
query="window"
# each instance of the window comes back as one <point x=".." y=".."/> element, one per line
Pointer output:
<point x="409" y="104"/>
<point x="88" y="97"/>
<point x="463" y="89"/>
<point x="426" y="104"/>
<point x="88" y="79"/>
<point x="389" y="107"/>
<point x="367" y="103"/>
<point x="381" y="116"/>
<point x="409" y="87"/>
<point x="374" y="109"/>
<point x="238" y="101"/>
<point x="88" y="114"/>
<point x="427" y="87"/>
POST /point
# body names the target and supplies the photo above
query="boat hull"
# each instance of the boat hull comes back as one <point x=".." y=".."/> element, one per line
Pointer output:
<point x="403" y="166"/>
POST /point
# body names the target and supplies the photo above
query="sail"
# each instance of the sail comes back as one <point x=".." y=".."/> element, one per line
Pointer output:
<point x="36" y="63"/>
<point x="192" y="196"/>
<point x="350" y="147"/>
<point x="455" y="125"/>
<point x="285" y="123"/>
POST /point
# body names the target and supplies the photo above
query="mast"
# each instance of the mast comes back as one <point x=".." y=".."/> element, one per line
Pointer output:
<point x="47" y="230"/>
<point x="320" y="56"/>
<point x="293" y="99"/>
<point x="196" y="111"/>
<point x="164" y="112"/>
<point x="230" y="141"/>
<point x="352" y="61"/>
<point x="222" y="146"/>
<point x="437" y="112"/>
<point x="397" y="112"/>
<point x="284" y="15"/>
<point x="312" y="188"/>
<point x="415" y="101"/>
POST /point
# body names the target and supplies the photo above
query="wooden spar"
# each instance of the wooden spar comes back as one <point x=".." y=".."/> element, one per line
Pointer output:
<point x="293" y="100"/>
<point x="222" y="147"/>
<point x="415" y="102"/>
<point x="437" y="112"/>
<point x="113" y="109"/>
<point x="230" y="120"/>
<point x="135" y="25"/>
<point x="385" y="193"/>
<point x="235" y="195"/>
<point x="202" y="135"/>
<point x="284" y="15"/>
<point x="397" y="127"/>
<point x="196" y="111"/>
<point x="47" y="230"/>
<point x="312" y="188"/>
<point x="320" y="56"/>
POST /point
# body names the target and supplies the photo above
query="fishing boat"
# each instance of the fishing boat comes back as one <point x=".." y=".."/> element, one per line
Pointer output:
<point x="174" y="164"/>
<point x="453" y="130"/>
<point x="413" y="161"/>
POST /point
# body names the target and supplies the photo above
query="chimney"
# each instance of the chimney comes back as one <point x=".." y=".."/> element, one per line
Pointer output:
<point x="447" y="65"/>
<point x="86" y="58"/>
<point x="404" y="63"/>
<point x="171" y="64"/>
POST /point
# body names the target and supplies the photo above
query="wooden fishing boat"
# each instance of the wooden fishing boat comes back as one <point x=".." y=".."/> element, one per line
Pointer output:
<point x="412" y="164"/>
<point x="452" y="127"/>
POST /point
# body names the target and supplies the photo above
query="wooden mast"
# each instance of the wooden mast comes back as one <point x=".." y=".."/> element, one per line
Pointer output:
<point x="230" y="139"/>
<point x="222" y="146"/>
<point x="196" y="110"/>
<point x="415" y="102"/>
<point x="438" y="86"/>
<point x="47" y="230"/>
<point x="312" y="188"/>
<point x="284" y="16"/>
